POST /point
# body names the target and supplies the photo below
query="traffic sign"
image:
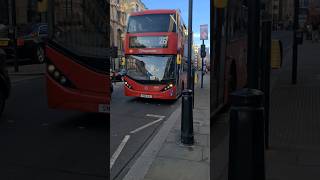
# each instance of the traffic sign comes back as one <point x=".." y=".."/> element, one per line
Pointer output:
<point x="123" y="61"/>
<point x="204" y="32"/>
<point x="178" y="59"/>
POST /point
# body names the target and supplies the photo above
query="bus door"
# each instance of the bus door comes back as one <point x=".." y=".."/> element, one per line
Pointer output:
<point x="220" y="55"/>
<point x="77" y="56"/>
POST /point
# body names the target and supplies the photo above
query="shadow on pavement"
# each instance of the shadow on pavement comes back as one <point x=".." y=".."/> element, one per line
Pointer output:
<point x="89" y="121"/>
<point x="154" y="101"/>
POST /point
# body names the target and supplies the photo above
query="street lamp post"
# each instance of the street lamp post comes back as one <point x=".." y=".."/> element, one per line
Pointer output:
<point x="187" y="137"/>
<point x="295" y="43"/>
<point x="14" y="34"/>
<point x="253" y="43"/>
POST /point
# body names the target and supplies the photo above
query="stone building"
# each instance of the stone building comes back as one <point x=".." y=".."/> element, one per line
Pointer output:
<point x="283" y="10"/>
<point x="26" y="11"/>
<point x="206" y="60"/>
<point x="196" y="56"/>
<point x="119" y="13"/>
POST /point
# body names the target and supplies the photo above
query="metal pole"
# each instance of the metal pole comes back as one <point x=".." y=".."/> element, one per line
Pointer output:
<point x="189" y="43"/>
<point x="14" y="26"/>
<point x="253" y="43"/>
<point x="187" y="137"/>
<point x="295" y="43"/>
<point x="266" y="66"/>
<point x="193" y="79"/>
<point x="202" y="68"/>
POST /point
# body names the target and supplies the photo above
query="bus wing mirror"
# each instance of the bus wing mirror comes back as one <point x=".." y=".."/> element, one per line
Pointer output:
<point x="276" y="54"/>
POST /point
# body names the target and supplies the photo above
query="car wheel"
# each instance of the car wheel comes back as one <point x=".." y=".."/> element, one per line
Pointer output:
<point x="40" y="54"/>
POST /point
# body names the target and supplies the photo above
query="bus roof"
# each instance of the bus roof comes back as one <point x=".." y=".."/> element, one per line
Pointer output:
<point x="156" y="11"/>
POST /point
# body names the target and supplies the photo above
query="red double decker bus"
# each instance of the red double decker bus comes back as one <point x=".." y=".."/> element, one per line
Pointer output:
<point x="78" y="56"/>
<point x="229" y="44"/>
<point x="156" y="62"/>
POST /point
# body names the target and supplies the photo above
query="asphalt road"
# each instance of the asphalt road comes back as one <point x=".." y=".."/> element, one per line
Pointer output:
<point x="39" y="143"/>
<point x="129" y="114"/>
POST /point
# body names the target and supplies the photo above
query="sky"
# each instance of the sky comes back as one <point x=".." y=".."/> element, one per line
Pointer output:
<point x="201" y="13"/>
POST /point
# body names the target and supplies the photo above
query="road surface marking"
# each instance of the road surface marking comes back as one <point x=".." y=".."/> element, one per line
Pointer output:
<point x="126" y="138"/>
<point x="156" y="116"/>
<point x="118" y="151"/>
<point x="160" y="118"/>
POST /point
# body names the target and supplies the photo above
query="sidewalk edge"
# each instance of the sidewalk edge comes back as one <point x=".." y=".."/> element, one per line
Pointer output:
<point x="143" y="163"/>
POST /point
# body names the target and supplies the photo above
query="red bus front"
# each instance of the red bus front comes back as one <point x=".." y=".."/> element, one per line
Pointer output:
<point x="154" y="51"/>
<point x="77" y="59"/>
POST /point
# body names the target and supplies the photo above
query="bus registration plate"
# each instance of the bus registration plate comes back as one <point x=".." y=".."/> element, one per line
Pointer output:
<point x="145" y="96"/>
<point x="104" y="108"/>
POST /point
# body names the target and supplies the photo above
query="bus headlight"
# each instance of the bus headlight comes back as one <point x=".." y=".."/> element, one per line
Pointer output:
<point x="51" y="68"/>
<point x="63" y="80"/>
<point x="56" y="74"/>
<point x="127" y="84"/>
<point x="169" y="86"/>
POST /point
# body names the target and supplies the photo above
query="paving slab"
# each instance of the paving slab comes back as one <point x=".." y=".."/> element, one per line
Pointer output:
<point x="177" y="169"/>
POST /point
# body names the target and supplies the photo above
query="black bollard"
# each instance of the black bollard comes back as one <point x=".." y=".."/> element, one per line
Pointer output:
<point x="246" y="145"/>
<point x="187" y="119"/>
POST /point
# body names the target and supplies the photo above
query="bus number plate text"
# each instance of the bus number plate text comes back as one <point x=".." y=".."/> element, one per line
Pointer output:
<point x="145" y="96"/>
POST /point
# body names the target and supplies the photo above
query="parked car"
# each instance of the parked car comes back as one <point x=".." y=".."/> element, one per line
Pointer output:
<point x="5" y="42"/>
<point x="31" y="41"/>
<point x="5" y="84"/>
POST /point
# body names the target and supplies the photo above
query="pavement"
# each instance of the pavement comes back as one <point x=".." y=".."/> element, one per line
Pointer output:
<point x="166" y="158"/>
<point x="294" y="151"/>
<point x="294" y="120"/>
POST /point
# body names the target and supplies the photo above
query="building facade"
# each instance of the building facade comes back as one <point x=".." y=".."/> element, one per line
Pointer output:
<point x="119" y="13"/>
<point x="198" y="59"/>
<point x="26" y="11"/>
<point x="195" y="55"/>
<point x="283" y="11"/>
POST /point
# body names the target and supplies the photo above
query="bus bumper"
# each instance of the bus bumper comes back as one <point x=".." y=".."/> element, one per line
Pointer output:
<point x="60" y="97"/>
<point x="170" y="94"/>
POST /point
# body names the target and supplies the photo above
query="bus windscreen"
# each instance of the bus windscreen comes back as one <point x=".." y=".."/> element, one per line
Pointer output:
<point x="151" y="68"/>
<point x="152" y="23"/>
